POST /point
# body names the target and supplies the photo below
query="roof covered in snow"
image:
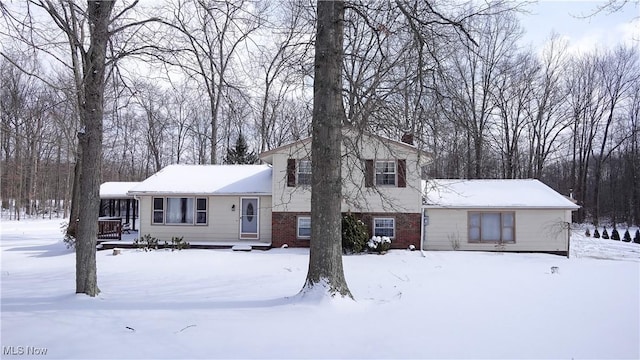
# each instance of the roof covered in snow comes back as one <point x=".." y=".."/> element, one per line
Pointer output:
<point x="207" y="179"/>
<point x="507" y="193"/>
<point x="116" y="189"/>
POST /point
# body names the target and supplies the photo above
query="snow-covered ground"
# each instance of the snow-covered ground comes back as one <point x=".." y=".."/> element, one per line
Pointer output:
<point x="224" y="304"/>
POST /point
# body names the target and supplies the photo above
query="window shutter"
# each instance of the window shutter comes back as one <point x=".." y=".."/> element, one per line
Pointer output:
<point x="402" y="173"/>
<point x="291" y="172"/>
<point x="368" y="173"/>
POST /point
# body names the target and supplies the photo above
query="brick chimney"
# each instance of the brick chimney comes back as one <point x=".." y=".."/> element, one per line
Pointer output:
<point x="407" y="138"/>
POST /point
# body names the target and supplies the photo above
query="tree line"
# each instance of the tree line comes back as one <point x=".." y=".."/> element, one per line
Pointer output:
<point x="182" y="88"/>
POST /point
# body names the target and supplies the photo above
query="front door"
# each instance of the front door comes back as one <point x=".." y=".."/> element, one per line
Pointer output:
<point x="249" y="218"/>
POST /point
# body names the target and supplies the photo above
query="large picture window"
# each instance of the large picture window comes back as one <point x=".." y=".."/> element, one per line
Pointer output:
<point x="385" y="172"/>
<point x="384" y="227"/>
<point x="304" y="227"/>
<point x="498" y="227"/>
<point x="180" y="210"/>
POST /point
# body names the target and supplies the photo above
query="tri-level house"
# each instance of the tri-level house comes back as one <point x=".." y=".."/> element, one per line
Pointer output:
<point x="269" y="205"/>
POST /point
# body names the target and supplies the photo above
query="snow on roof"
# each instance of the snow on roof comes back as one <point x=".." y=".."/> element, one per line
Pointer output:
<point x="508" y="193"/>
<point x="116" y="189"/>
<point x="207" y="179"/>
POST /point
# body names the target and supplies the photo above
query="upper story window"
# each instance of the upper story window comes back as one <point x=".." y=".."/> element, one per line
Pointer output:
<point x="385" y="172"/>
<point x="298" y="172"/>
<point x="304" y="172"/>
<point x="392" y="173"/>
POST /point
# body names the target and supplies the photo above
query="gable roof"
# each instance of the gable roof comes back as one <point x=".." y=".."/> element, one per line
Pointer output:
<point x="207" y="180"/>
<point x="506" y="193"/>
<point x="267" y="156"/>
<point x="116" y="189"/>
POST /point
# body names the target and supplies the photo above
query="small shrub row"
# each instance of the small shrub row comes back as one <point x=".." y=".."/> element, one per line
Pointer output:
<point x="615" y="235"/>
<point x="147" y="243"/>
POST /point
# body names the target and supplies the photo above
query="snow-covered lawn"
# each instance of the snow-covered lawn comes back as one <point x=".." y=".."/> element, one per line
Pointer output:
<point x="224" y="304"/>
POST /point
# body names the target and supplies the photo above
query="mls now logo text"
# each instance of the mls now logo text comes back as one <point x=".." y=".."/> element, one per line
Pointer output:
<point x="24" y="350"/>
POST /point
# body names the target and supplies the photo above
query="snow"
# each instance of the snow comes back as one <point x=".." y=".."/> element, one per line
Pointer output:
<point x="116" y="189"/>
<point x="226" y="304"/>
<point x="208" y="179"/>
<point x="505" y="193"/>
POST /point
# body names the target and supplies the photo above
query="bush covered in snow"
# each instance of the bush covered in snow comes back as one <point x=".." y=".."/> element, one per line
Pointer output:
<point x="636" y="238"/>
<point x="596" y="233"/>
<point x="379" y="244"/>
<point x="146" y="243"/>
<point x="605" y="234"/>
<point x="587" y="233"/>
<point x="627" y="236"/>
<point x="354" y="235"/>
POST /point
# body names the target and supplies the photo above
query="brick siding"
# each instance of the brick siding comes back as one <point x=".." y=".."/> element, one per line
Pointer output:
<point x="284" y="227"/>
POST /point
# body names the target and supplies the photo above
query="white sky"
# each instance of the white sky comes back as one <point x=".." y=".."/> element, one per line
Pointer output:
<point x="570" y="19"/>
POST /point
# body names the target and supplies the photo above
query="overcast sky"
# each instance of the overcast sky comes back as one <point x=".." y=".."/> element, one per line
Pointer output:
<point x="601" y="30"/>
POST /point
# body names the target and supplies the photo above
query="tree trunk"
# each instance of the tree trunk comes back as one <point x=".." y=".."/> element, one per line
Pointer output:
<point x="325" y="255"/>
<point x="91" y="144"/>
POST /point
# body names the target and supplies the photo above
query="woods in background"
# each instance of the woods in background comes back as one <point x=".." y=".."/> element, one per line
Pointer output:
<point x="207" y="71"/>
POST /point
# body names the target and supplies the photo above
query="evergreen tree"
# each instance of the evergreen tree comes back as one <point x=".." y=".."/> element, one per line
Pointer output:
<point x="627" y="236"/>
<point x="636" y="238"/>
<point x="605" y="234"/>
<point x="615" y="235"/>
<point x="240" y="153"/>
<point x="587" y="233"/>
<point x="596" y="233"/>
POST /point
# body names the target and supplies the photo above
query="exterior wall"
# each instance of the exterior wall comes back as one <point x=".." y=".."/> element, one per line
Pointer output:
<point x="357" y="197"/>
<point x="223" y="224"/>
<point x="407" y="228"/>
<point x="535" y="230"/>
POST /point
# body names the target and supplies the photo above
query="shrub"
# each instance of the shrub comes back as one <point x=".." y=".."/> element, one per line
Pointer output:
<point x="68" y="239"/>
<point x="636" y="238"/>
<point x="596" y="234"/>
<point x="605" y="234"/>
<point x="354" y="235"/>
<point x="379" y="244"/>
<point x="178" y="243"/>
<point x="615" y="235"/>
<point x="146" y="243"/>
<point x="587" y="233"/>
<point x="627" y="236"/>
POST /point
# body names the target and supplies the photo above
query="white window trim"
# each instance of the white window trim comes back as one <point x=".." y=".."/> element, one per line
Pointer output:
<point x="385" y="218"/>
<point x="298" y="167"/>
<point x="298" y="227"/>
<point x="195" y="210"/>
<point x="395" y="172"/>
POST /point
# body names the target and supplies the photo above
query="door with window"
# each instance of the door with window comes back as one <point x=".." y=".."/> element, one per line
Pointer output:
<point x="249" y="218"/>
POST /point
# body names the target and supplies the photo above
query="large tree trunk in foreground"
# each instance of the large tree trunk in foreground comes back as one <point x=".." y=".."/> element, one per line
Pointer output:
<point x="325" y="255"/>
<point x="90" y="141"/>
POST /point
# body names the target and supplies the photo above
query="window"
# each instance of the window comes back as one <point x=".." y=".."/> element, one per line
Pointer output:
<point x="385" y="172"/>
<point x="304" y="172"/>
<point x="158" y="211"/>
<point x="384" y="227"/>
<point x="183" y="210"/>
<point x="201" y="211"/>
<point x="492" y="227"/>
<point x="304" y="227"/>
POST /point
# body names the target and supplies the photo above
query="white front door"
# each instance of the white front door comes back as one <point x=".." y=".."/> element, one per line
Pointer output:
<point x="249" y="218"/>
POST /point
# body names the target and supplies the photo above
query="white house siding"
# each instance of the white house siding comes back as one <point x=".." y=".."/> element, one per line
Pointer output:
<point x="357" y="197"/>
<point x="223" y="224"/>
<point x="535" y="230"/>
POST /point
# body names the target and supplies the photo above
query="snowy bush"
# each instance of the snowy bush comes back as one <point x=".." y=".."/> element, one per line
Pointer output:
<point x="615" y="235"/>
<point x="68" y="239"/>
<point x="636" y="238"/>
<point x="605" y="234"/>
<point x="379" y="244"/>
<point x="146" y="243"/>
<point x="596" y="234"/>
<point x="587" y="233"/>
<point x="354" y="235"/>
<point x="627" y="236"/>
<point x="178" y="243"/>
